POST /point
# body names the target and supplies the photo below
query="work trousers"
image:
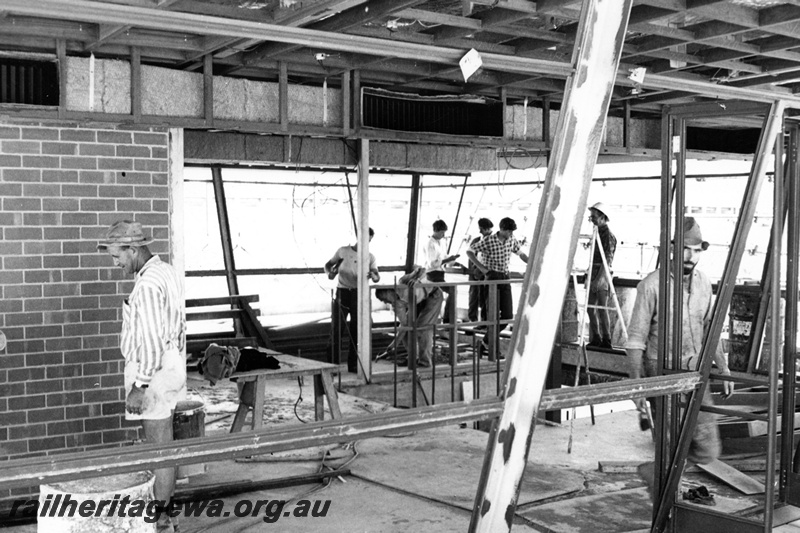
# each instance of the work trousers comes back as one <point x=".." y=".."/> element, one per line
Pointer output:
<point x="505" y="305"/>
<point x="475" y="301"/>
<point x="437" y="276"/>
<point x="346" y="304"/>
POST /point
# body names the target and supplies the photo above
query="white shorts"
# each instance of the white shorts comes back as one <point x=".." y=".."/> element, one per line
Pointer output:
<point x="166" y="389"/>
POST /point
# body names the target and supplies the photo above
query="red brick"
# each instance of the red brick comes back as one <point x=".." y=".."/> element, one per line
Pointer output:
<point x="119" y="137"/>
<point x="10" y="277"/>
<point x="60" y="176"/>
<point x="49" y="443"/>
<point x="65" y="428"/>
<point x="61" y="204"/>
<point x="159" y="139"/>
<point x="27" y="432"/>
<point x="86" y="163"/>
<point x="59" y="148"/>
<point x="15" y="448"/>
<point x="106" y="150"/>
<point x="42" y="304"/>
<point x="84" y="439"/>
<point x="102" y="423"/>
<point x="80" y="135"/>
<point x="22" y="234"/>
<point x="64" y="261"/>
<point x="46" y="415"/>
<point x="48" y="134"/>
<point x="95" y="315"/>
<point x="21" y="147"/>
<point x="42" y="276"/>
<point x="26" y="346"/>
<point x="101" y="341"/>
<point x="10" y="161"/>
<point x="160" y="178"/>
<point x="80" y="357"/>
<point x="7" y="132"/>
<point x="24" y="319"/>
<point x="10" y="189"/>
<point x="22" y="174"/>
<point x="79" y="219"/>
<point x="22" y="262"/>
<point x="62" y="289"/>
<point x="80" y="302"/>
<point x="40" y="219"/>
<point x="98" y="205"/>
<point x="44" y="332"/>
<point x="114" y="408"/>
<point x="132" y="151"/>
<point x="25" y="374"/>
<point x="97" y="369"/>
<point x="159" y="153"/>
<point x="64" y="371"/>
<point x="22" y="204"/>
<point x="41" y="161"/>
<point x="12" y="418"/>
<point x="115" y="381"/>
<point x="75" y="330"/>
<point x="10" y="306"/>
<point x="150" y="165"/>
<point x="88" y="289"/>
<point x="44" y="386"/>
<point x="151" y="192"/>
<point x="100" y="395"/>
<point x="114" y="163"/>
<point x="134" y="178"/>
<point x="64" y="398"/>
<point x="136" y="206"/>
<point x="23" y="403"/>
<point x="98" y="176"/>
<point x="111" y="274"/>
<point x="82" y="411"/>
<point x="62" y="344"/>
<point x="44" y="358"/>
<point x="110" y="328"/>
<point x="3" y="434"/>
<point x="62" y="234"/>
<point x="120" y="435"/>
<point x="80" y="275"/>
<point x="79" y="190"/>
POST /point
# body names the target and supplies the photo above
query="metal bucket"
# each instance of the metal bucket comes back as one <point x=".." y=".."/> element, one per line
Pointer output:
<point x="188" y="422"/>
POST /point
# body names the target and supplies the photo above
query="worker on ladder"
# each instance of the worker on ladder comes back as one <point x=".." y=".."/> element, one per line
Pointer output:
<point x="600" y="327"/>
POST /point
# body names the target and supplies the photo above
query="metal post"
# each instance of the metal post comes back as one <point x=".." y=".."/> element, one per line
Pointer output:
<point x="364" y="295"/>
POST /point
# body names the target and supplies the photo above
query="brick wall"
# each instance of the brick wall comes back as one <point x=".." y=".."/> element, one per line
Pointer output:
<point x="61" y="185"/>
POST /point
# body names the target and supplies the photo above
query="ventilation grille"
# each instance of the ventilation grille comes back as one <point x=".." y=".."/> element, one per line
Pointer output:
<point x="30" y="82"/>
<point x="469" y="115"/>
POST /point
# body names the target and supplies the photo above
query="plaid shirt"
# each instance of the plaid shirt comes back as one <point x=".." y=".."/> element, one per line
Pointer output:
<point x="496" y="253"/>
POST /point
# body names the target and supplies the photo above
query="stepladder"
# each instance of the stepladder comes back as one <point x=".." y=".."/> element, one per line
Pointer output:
<point x="593" y="278"/>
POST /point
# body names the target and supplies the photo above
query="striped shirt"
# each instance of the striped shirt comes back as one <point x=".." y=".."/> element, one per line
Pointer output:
<point x="153" y="318"/>
<point x="496" y="253"/>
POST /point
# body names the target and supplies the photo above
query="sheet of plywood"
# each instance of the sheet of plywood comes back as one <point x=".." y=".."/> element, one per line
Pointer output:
<point x="727" y="474"/>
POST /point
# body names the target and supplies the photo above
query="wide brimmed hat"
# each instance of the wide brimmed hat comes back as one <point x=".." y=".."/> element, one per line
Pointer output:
<point x="692" y="236"/>
<point x="124" y="233"/>
<point x="601" y="208"/>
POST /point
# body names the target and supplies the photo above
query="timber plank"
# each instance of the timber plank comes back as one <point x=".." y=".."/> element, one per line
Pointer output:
<point x="727" y="474"/>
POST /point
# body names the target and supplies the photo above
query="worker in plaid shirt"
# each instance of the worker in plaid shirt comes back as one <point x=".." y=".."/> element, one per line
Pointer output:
<point x="496" y="250"/>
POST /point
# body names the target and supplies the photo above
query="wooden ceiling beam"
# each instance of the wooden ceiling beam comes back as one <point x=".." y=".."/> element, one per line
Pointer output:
<point x="312" y="12"/>
<point x="353" y="17"/>
<point x="488" y="19"/>
<point x="431" y="17"/>
<point x="107" y="32"/>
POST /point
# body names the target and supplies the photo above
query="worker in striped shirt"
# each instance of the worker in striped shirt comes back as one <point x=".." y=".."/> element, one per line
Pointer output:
<point x="152" y="343"/>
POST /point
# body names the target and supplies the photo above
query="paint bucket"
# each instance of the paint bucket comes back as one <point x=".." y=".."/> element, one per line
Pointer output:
<point x="112" y="500"/>
<point x="188" y="422"/>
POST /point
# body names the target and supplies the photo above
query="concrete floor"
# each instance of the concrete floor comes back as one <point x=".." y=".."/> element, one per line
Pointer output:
<point x="427" y="480"/>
